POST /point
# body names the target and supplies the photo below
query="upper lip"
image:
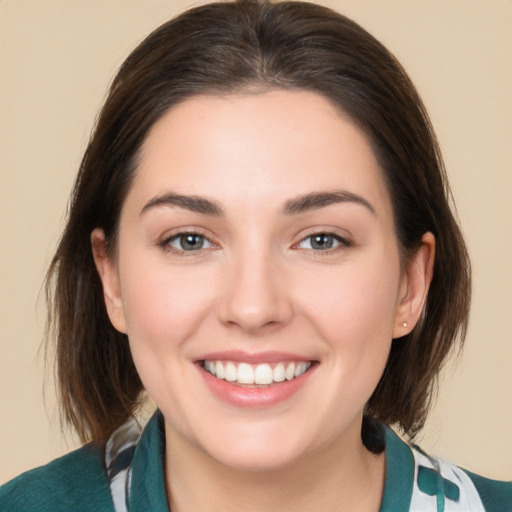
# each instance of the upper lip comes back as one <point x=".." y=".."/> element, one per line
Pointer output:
<point x="253" y="357"/>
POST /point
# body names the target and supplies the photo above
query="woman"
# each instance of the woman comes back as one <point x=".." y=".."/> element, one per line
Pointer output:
<point x="260" y="239"/>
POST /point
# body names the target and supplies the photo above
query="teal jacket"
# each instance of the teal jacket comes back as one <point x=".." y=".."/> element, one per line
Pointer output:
<point x="78" y="482"/>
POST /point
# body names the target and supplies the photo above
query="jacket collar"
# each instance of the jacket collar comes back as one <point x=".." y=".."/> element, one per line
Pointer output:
<point x="148" y="482"/>
<point x="399" y="474"/>
<point x="147" y="490"/>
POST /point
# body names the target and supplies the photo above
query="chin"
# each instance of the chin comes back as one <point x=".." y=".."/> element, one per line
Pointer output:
<point x="259" y="448"/>
<point x="255" y="459"/>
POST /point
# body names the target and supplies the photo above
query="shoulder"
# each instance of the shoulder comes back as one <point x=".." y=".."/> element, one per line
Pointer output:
<point x="459" y="489"/>
<point x="418" y="482"/>
<point x="496" y="495"/>
<point x="76" y="481"/>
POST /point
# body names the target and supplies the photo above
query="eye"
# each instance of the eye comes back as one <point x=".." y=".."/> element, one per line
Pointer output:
<point x="188" y="242"/>
<point x="323" y="242"/>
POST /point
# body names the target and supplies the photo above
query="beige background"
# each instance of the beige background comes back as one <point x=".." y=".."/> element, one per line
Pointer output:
<point x="56" y="59"/>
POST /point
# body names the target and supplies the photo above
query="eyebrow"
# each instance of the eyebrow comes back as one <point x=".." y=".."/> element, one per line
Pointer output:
<point x="317" y="200"/>
<point x="193" y="203"/>
<point x="300" y="204"/>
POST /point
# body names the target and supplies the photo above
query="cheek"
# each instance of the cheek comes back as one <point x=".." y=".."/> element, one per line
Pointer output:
<point x="354" y="314"/>
<point x="164" y="308"/>
<point x="351" y="300"/>
<point x="163" y="305"/>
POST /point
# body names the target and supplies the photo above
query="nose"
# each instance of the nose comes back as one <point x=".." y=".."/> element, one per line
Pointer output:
<point x="256" y="298"/>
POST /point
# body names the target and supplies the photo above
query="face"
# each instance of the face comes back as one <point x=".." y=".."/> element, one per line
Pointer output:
<point x="257" y="244"/>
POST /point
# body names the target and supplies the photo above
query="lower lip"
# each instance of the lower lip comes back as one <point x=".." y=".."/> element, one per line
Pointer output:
<point x="248" y="397"/>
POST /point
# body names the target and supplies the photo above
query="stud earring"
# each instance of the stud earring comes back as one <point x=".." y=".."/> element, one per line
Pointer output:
<point x="404" y="324"/>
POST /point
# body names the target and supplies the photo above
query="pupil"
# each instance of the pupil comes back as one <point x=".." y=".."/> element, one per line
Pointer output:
<point x="322" y="242"/>
<point x="189" y="242"/>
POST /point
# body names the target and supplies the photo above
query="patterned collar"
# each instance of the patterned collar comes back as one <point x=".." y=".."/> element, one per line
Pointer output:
<point x="415" y="482"/>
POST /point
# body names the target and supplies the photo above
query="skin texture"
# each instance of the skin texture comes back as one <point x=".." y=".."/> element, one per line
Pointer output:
<point x="258" y="285"/>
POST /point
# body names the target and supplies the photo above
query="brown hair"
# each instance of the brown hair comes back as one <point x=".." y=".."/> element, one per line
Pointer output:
<point x="230" y="47"/>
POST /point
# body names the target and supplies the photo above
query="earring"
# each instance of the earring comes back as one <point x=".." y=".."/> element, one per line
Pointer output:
<point x="404" y="324"/>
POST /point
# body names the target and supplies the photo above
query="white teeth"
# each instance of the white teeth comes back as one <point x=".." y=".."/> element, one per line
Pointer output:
<point x="290" y="371"/>
<point x="261" y="374"/>
<point x="231" y="373"/>
<point x="300" y="369"/>
<point x="279" y="373"/>
<point x="219" y="370"/>
<point x="245" y="374"/>
<point x="209" y="366"/>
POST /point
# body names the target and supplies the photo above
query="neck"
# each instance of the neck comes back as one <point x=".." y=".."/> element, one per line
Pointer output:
<point x="340" y="477"/>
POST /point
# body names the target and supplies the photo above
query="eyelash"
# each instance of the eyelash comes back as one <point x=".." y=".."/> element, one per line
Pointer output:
<point x="343" y="243"/>
<point x="165" y="244"/>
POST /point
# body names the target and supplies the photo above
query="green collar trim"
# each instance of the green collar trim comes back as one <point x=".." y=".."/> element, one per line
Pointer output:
<point x="399" y="474"/>
<point x="147" y="492"/>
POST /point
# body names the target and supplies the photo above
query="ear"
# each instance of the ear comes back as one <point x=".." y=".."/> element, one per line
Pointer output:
<point x="414" y="286"/>
<point x="109" y="276"/>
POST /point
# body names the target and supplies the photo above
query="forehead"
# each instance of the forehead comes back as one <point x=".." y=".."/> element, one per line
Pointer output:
<point x="259" y="148"/>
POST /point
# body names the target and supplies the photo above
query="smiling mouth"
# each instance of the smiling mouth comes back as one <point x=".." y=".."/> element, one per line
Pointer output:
<point x="257" y="375"/>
